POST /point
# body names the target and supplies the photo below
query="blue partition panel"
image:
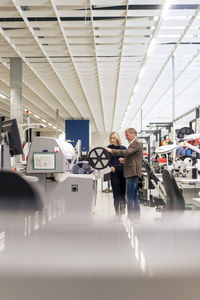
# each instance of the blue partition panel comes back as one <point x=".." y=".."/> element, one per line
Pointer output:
<point x="78" y="130"/>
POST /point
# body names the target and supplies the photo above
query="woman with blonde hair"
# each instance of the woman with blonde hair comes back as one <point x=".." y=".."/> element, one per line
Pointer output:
<point x="118" y="182"/>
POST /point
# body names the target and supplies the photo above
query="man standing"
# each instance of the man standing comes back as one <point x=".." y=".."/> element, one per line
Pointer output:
<point x="132" y="169"/>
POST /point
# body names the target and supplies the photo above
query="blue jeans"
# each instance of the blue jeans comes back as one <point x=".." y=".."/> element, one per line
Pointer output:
<point x="132" y="198"/>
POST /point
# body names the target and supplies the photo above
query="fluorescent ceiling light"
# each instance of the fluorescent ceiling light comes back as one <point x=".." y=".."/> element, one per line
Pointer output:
<point x="36" y="116"/>
<point x="171" y="27"/>
<point x="168" y="35"/>
<point x="165" y="8"/>
<point x="168" y="18"/>
<point x="182" y="18"/>
<point x="189" y="36"/>
<point x="44" y="121"/>
<point x="3" y="96"/>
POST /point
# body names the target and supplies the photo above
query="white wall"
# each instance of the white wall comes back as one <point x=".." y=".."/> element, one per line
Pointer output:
<point x="99" y="139"/>
<point x="102" y="139"/>
<point x="185" y="120"/>
<point x="124" y="140"/>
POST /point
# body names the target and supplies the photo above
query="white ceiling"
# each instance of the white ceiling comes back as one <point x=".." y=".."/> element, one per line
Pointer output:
<point x="102" y="60"/>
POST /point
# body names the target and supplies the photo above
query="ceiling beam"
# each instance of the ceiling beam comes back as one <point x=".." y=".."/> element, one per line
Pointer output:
<point x="167" y="61"/>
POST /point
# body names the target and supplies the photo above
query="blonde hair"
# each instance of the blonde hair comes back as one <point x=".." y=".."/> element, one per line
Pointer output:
<point x="117" y="136"/>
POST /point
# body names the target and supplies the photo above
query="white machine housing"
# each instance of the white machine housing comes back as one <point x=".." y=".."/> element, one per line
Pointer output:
<point x="49" y="155"/>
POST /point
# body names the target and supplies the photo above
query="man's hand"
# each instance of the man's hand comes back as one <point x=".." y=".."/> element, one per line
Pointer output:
<point x="113" y="169"/>
<point x="108" y="149"/>
<point x="122" y="160"/>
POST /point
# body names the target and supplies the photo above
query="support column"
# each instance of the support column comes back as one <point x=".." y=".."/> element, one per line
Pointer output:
<point x="57" y="122"/>
<point x="173" y="88"/>
<point x="16" y="108"/>
<point x="173" y="103"/>
<point x="173" y="96"/>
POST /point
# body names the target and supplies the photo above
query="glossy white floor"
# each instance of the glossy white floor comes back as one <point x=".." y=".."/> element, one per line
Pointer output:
<point x="55" y="255"/>
<point x="104" y="209"/>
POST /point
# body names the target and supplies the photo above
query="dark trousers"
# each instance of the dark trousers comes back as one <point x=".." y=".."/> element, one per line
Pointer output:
<point x="118" y="183"/>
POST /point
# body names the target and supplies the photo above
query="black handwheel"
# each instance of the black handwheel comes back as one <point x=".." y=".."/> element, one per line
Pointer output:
<point x="184" y="131"/>
<point x="98" y="158"/>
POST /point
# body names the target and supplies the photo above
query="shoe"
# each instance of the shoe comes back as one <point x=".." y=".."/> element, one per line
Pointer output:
<point x="122" y="211"/>
<point x="122" y="208"/>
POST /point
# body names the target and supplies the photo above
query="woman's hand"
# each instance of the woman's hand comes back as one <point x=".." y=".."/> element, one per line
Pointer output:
<point x="122" y="160"/>
<point x="109" y="150"/>
<point x="113" y="169"/>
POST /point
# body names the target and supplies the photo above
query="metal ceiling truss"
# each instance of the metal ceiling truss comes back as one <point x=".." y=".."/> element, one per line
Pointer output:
<point x="90" y="59"/>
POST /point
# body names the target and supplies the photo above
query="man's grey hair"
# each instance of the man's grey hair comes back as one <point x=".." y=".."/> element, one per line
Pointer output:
<point x="132" y="131"/>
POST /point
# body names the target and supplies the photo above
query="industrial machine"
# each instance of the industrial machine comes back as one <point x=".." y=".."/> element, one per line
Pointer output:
<point x="51" y="167"/>
<point x="52" y="160"/>
<point x="186" y="166"/>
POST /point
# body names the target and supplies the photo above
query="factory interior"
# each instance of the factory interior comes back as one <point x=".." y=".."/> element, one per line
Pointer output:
<point x="99" y="149"/>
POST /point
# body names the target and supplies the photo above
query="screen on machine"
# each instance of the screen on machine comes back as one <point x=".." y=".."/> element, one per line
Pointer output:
<point x="44" y="161"/>
<point x="10" y="127"/>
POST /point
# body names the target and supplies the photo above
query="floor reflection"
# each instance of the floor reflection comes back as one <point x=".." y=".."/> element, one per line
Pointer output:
<point x="55" y="243"/>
